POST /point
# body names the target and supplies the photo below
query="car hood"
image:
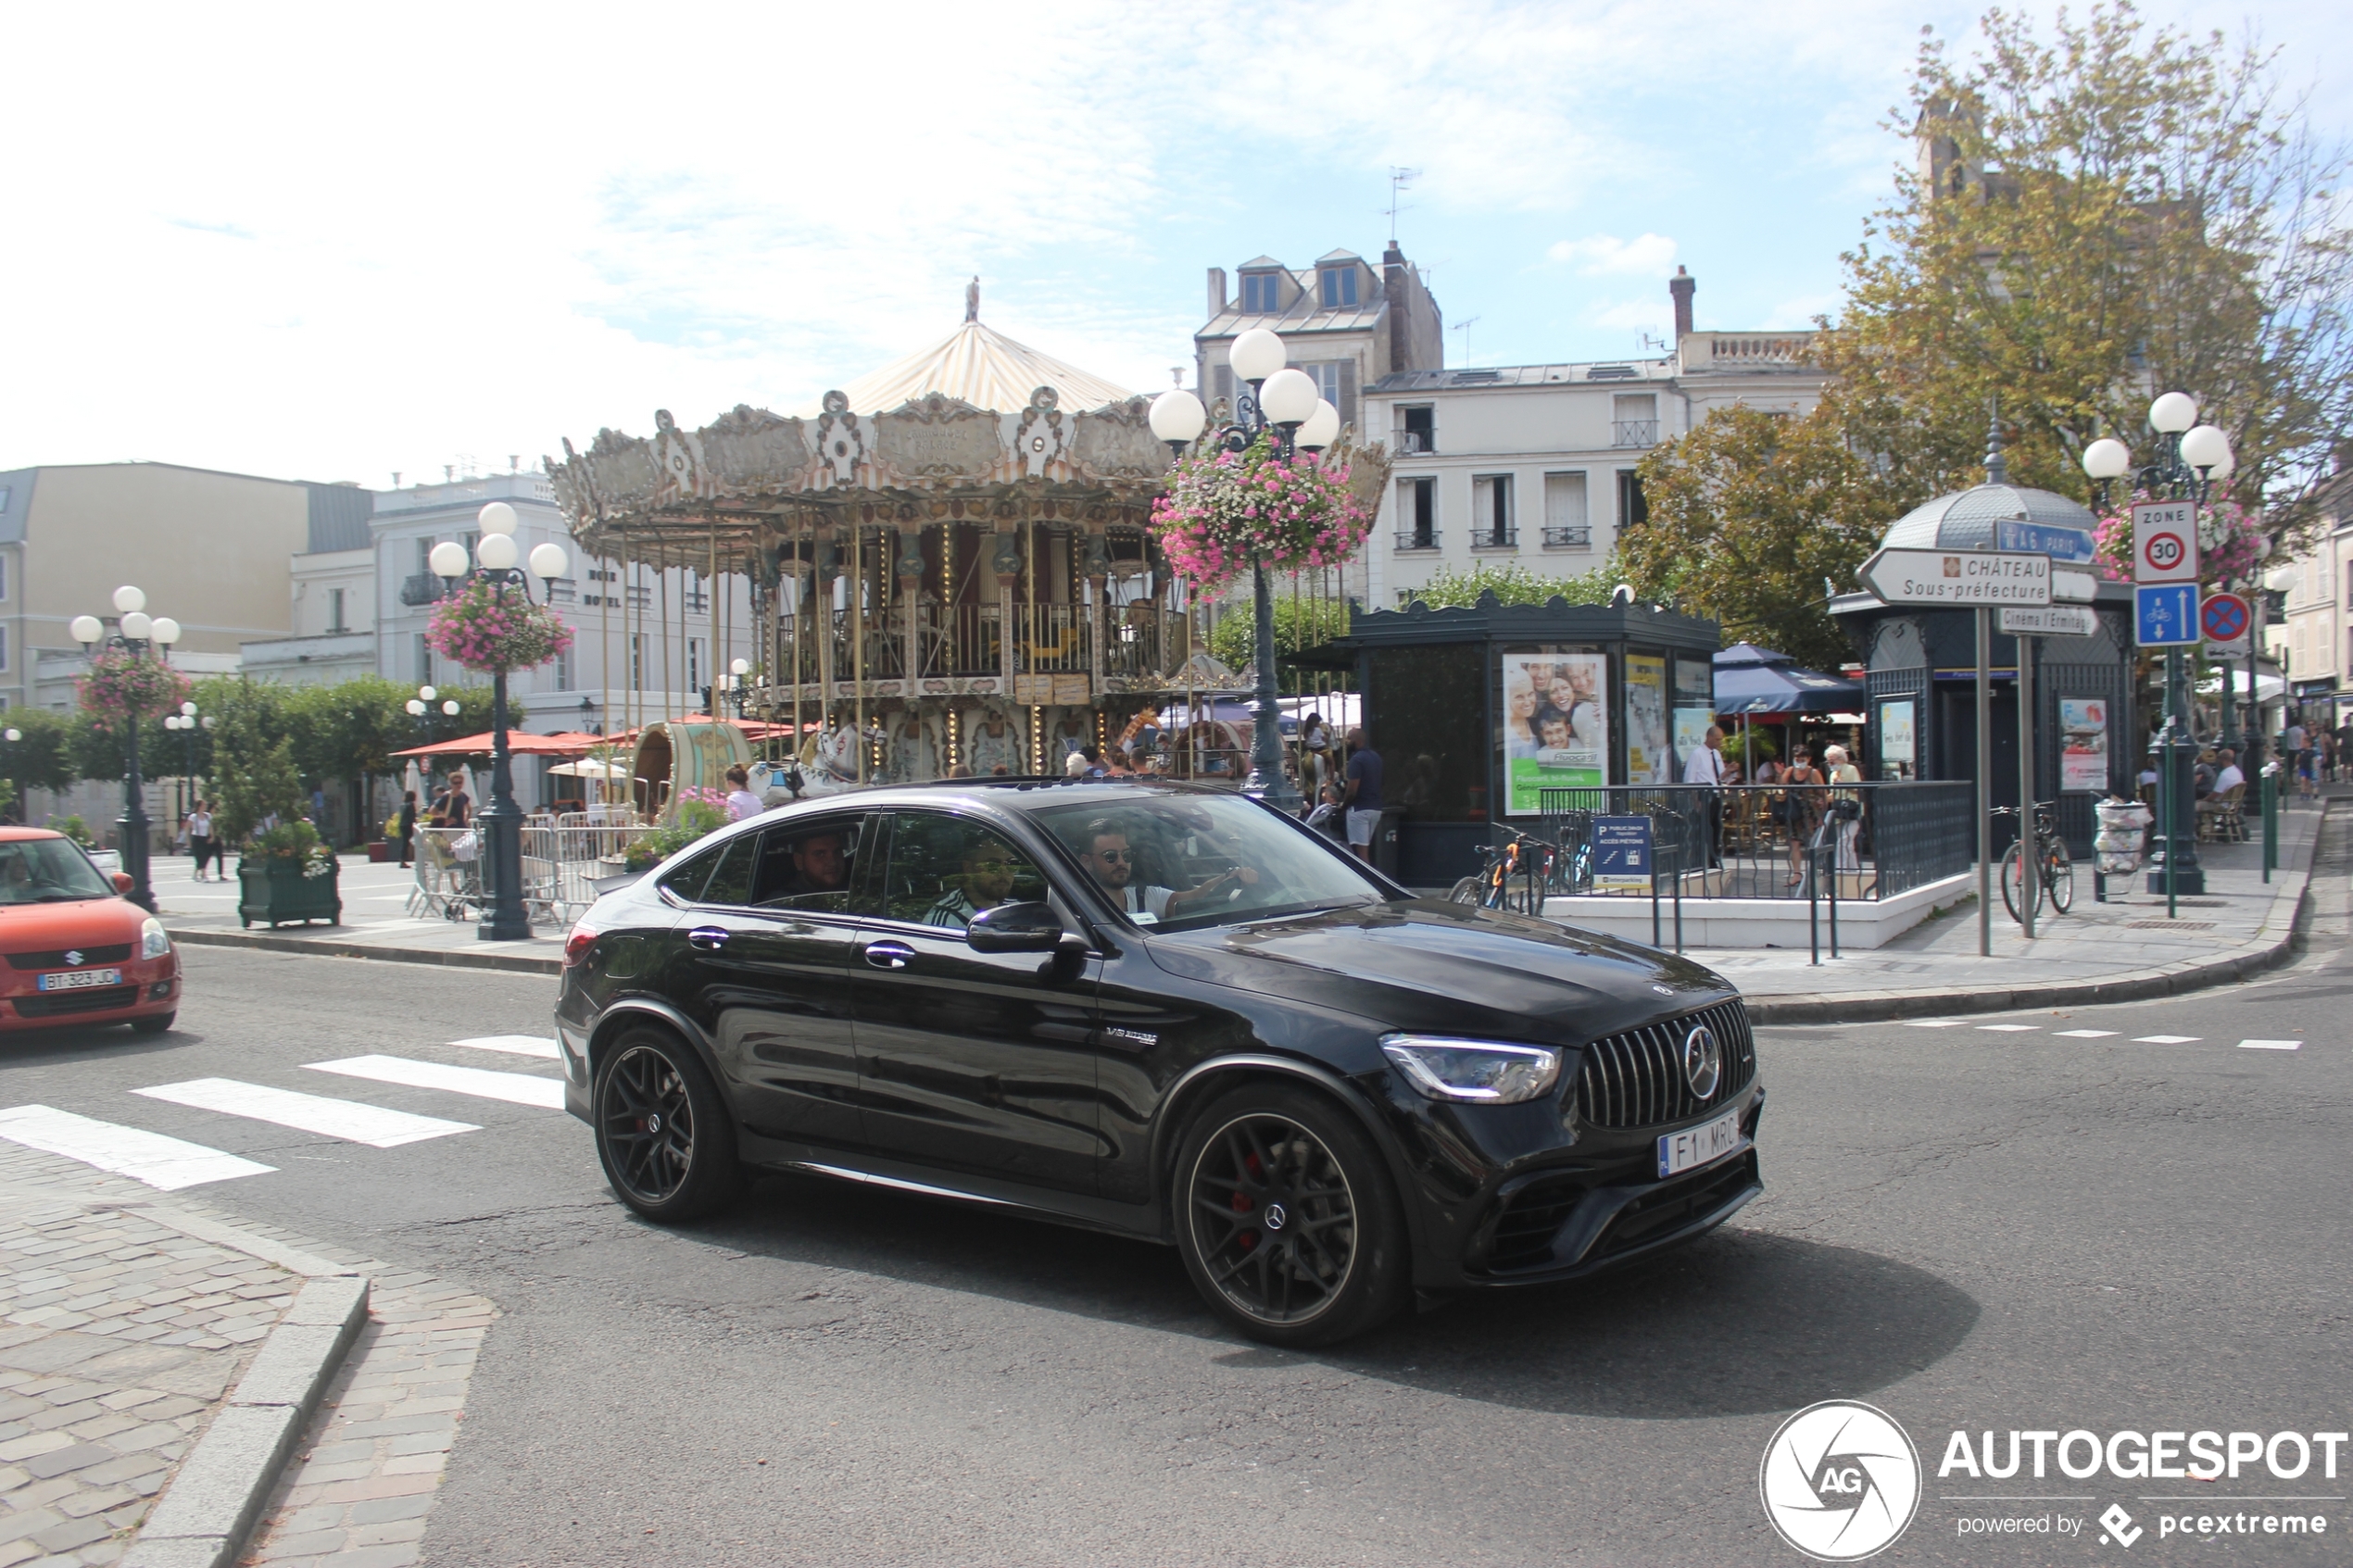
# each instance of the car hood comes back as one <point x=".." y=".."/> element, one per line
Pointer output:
<point x="82" y="922"/>
<point x="1431" y="965"/>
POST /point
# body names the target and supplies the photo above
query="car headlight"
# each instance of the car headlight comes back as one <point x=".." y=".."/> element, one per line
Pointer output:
<point x="153" y="942"/>
<point x="1480" y="1071"/>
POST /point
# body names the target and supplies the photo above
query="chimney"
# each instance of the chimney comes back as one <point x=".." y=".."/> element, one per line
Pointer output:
<point x="1682" y="285"/>
<point x="1216" y="291"/>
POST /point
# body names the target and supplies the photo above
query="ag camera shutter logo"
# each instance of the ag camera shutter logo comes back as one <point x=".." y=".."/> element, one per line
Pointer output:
<point x="1840" y="1481"/>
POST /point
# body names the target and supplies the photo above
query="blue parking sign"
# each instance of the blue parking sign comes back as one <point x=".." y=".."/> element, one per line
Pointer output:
<point x="1622" y="854"/>
<point x="2165" y="615"/>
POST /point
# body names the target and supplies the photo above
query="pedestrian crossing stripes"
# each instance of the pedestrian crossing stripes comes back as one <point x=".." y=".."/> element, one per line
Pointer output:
<point x="1934" y="1023"/>
<point x="2009" y="1028"/>
<point x="514" y="1045"/>
<point x="2087" y="1033"/>
<point x="2271" y="1045"/>
<point x="348" y="1120"/>
<point x="2165" y="1039"/>
<point x="167" y="1164"/>
<point x="2098" y="1034"/>
<point x="517" y="1088"/>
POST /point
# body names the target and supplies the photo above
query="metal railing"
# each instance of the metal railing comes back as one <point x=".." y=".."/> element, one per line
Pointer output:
<point x="564" y="857"/>
<point x="1495" y="539"/>
<point x="421" y="589"/>
<point x="1569" y="536"/>
<point x="1416" y="539"/>
<point x="1633" y="432"/>
<point x="1415" y="443"/>
<point x="1749" y="841"/>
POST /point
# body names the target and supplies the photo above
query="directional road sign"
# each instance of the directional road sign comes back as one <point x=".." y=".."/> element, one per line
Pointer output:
<point x="2224" y="621"/>
<point x="2044" y="539"/>
<point x="2058" y="621"/>
<point x="2073" y="587"/>
<point x="2164" y="542"/>
<point x="1960" y="578"/>
<point x="2165" y="615"/>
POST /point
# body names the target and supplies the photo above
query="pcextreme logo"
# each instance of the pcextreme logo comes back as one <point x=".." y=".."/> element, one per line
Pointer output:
<point x="1840" y="1481"/>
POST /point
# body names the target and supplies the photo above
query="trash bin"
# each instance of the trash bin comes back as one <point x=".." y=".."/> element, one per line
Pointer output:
<point x="1385" y="840"/>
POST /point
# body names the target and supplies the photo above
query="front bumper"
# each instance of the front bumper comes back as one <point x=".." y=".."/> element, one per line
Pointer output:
<point x="149" y="986"/>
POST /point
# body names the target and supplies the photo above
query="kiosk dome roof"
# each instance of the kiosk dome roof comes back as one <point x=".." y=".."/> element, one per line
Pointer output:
<point x="1965" y="519"/>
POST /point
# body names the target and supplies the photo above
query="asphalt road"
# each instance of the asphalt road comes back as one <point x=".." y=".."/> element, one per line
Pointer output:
<point x="1970" y="1227"/>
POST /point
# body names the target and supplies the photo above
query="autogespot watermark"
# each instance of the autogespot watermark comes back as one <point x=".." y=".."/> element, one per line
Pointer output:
<point x="1840" y="1481"/>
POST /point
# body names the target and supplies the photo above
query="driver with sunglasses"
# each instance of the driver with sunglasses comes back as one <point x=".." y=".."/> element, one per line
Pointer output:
<point x="1113" y="865"/>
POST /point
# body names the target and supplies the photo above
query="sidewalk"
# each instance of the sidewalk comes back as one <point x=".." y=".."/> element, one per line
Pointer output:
<point x="2121" y="950"/>
<point x="151" y="1355"/>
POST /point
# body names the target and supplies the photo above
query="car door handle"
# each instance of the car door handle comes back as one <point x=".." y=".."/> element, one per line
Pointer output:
<point x="888" y="954"/>
<point x="710" y="938"/>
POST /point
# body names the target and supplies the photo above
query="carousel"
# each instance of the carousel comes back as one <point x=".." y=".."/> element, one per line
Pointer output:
<point x="951" y="563"/>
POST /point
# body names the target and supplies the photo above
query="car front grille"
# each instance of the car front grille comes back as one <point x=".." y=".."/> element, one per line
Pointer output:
<point x="114" y="953"/>
<point x="95" y="1000"/>
<point x="1636" y="1079"/>
<point x="1674" y="1205"/>
<point x="1528" y="1219"/>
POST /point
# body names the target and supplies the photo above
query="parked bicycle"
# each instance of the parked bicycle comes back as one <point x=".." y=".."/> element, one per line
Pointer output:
<point x="2055" y="868"/>
<point x="1516" y="876"/>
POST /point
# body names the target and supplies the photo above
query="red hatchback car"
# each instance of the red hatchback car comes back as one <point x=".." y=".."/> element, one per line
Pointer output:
<point x="77" y="951"/>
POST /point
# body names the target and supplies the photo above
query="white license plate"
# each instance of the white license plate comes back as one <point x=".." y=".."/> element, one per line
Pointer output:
<point x="1697" y="1146"/>
<point x="78" y="979"/>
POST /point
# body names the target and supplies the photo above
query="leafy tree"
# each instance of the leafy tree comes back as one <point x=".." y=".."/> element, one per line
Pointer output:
<point x="2109" y="209"/>
<point x="1299" y="623"/>
<point x="1513" y="583"/>
<point x="43" y="757"/>
<point x="256" y="760"/>
<point x="1749" y="513"/>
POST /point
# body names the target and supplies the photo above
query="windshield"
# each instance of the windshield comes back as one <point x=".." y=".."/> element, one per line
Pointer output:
<point x="1176" y="861"/>
<point x="48" y="870"/>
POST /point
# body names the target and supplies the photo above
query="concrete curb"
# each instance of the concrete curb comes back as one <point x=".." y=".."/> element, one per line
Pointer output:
<point x="207" y="1513"/>
<point x="517" y="963"/>
<point x="1873" y="1006"/>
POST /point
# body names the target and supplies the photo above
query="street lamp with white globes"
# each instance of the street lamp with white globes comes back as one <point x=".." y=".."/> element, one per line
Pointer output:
<point x="1284" y="405"/>
<point x="188" y="722"/>
<point x="140" y="636"/>
<point x="504" y="916"/>
<point x="2191" y="459"/>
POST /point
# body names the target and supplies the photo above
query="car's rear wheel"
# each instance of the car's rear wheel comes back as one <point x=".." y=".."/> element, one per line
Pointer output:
<point x="1289" y="1225"/>
<point x="663" y="1132"/>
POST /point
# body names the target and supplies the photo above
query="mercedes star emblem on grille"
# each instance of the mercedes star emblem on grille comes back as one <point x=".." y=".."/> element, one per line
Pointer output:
<point x="1703" y="1060"/>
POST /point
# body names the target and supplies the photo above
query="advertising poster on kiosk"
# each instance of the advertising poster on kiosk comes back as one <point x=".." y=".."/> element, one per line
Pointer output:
<point x="1648" y="761"/>
<point x="1555" y="726"/>
<point x="2082" y="746"/>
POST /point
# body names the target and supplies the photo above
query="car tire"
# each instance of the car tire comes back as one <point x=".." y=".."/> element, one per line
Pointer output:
<point x="663" y="1133"/>
<point x="160" y="1024"/>
<point x="1286" y="1217"/>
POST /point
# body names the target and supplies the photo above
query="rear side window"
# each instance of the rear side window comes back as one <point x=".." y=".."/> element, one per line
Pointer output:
<point x="807" y="866"/>
<point x="945" y="870"/>
<point x="731" y="879"/>
<point x="686" y="881"/>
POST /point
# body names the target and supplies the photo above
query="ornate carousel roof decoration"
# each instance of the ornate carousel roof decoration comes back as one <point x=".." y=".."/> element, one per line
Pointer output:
<point x="979" y="428"/>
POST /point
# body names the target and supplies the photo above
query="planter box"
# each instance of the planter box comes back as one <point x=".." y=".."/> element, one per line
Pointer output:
<point x="379" y="851"/>
<point x="275" y="892"/>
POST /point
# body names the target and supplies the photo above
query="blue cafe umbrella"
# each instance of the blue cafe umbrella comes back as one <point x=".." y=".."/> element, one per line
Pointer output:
<point x="1758" y="680"/>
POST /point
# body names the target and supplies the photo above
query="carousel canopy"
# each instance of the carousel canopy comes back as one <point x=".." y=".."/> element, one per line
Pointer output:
<point x="980" y="366"/>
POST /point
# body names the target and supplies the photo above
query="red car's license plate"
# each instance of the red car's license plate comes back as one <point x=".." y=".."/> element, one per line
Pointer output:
<point x="78" y="979"/>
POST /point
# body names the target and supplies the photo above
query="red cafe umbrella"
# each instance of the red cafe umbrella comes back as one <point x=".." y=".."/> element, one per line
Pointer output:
<point x="568" y="744"/>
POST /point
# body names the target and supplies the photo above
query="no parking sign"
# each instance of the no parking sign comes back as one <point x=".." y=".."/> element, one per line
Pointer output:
<point x="2224" y="621"/>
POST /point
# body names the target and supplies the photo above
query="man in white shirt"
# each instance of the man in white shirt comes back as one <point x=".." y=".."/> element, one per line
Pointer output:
<point x="1706" y="766"/>
<point x="2230" y="776"/>
<point x="1113" y="865"/>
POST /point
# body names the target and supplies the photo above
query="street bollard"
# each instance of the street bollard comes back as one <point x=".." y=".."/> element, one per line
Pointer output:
<point x="2271" y="820"/>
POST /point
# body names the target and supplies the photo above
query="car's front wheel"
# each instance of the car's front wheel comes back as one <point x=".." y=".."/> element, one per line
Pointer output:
<point x="1289" y="1225"/>
<point x="662" y="1133"/>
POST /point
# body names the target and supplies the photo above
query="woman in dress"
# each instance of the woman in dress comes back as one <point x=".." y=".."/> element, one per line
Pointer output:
<point x="1804" y="809"/>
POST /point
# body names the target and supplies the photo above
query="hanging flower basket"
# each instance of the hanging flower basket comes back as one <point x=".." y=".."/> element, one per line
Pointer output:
<point x="484" y="629"/>
<point x="120" y="687"/>
<point x="1223" y="510"/>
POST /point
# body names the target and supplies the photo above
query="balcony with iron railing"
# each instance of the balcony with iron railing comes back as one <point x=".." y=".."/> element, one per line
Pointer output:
<point x="1569" y="536"/>
<point x="1417" y="539"/>
<point x="1495" y="539"/>
<point x="1414" y="442"/>
<point x="1633" y="432"/>
<point x="422" y="588"/>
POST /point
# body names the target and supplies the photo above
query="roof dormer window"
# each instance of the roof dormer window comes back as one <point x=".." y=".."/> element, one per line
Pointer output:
<point x="1262" y="293"/>
<point x="1338" y="287"/>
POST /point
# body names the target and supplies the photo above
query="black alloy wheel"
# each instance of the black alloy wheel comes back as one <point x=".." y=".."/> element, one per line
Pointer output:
<point x="662" y="1133"/>
<point x="1290" y="1228"/>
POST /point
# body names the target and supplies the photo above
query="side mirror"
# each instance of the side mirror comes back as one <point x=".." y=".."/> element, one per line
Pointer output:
<point x="1016" y="928"/>
<point x="122" y="883"/>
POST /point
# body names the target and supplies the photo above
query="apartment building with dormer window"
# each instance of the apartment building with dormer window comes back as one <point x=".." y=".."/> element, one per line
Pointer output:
<point x="1348" y="324"/>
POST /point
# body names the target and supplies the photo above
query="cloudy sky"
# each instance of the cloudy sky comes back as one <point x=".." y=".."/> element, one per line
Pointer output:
<point x="335" y="241"/>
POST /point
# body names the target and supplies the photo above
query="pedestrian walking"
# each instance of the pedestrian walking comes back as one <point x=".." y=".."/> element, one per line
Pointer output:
<point x="1846" y="806"/>
<point x="406" y="828"/>
<point x="1361" y="794"/>
<point x="1804" y="804"/>
<point x="200" y="845"/>
<point x="458" y="806"/>
<point x="1705" y="767"/>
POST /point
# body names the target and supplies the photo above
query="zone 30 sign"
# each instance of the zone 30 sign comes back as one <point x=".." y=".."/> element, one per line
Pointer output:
<point x="2164" y="542"/>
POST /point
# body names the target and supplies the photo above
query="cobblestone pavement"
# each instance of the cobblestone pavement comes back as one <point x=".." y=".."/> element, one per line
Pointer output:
<point x="121" y="1335"/>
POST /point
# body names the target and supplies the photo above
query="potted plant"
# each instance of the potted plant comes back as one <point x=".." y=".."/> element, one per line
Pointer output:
<point x="288" y="873"/>
<point x="699" y="811"/>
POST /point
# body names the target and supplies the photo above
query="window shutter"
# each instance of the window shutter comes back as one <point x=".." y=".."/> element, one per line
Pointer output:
<point x="1225" y="383"/>
<point x="1348" y="393"/>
